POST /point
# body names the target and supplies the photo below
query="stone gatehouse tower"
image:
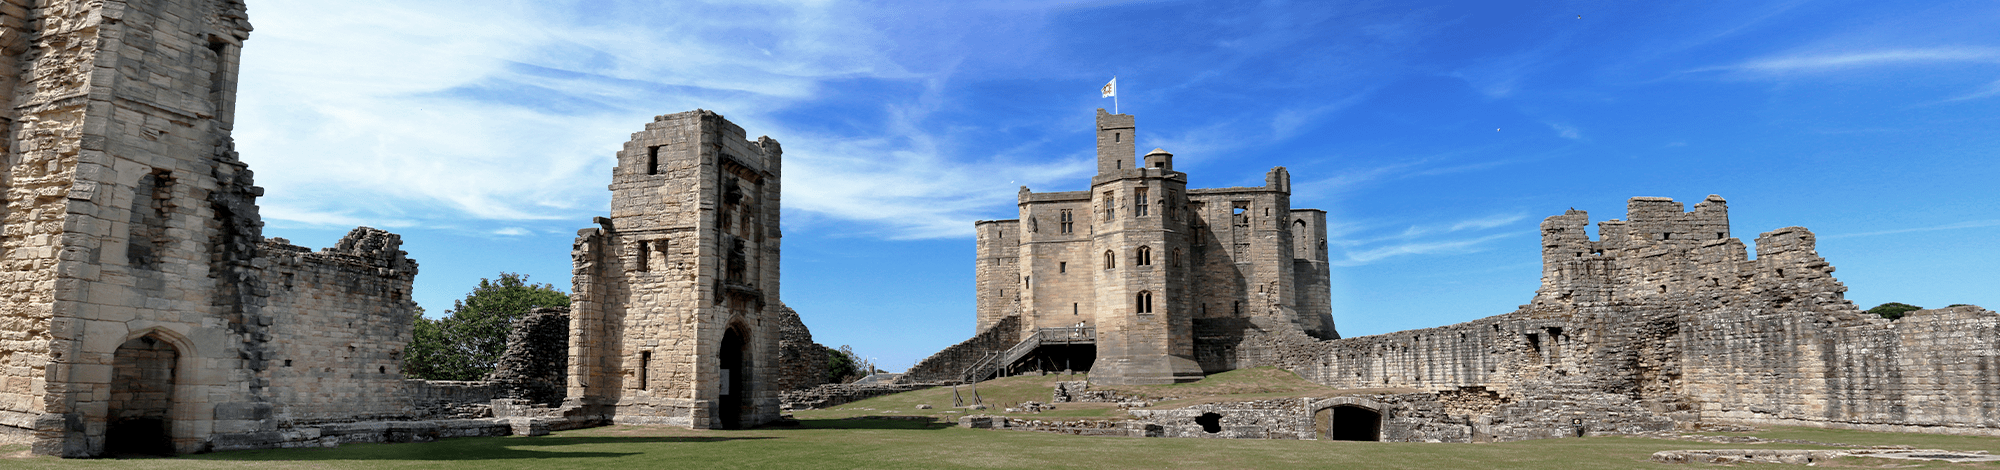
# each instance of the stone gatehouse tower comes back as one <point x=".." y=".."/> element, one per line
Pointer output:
<point x="675" y="308"/>
<point x="1148" y="263"/>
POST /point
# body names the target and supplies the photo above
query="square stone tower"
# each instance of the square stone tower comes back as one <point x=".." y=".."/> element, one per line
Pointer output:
<point x="676" y="294"/>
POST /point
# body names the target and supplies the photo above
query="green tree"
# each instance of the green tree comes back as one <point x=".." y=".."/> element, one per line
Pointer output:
<point x="843" y="365"/>
<point x="464" y="344"/>
<point x="1893" y="310"/>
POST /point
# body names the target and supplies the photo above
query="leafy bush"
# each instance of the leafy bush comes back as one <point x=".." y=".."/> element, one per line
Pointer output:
<point x="1893" y="310"/>
<point x="469" y="339"/>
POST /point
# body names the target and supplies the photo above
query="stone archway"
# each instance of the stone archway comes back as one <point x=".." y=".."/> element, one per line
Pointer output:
<point x="139" y="419"/>
<point x="733" y="406"/>
<point x="1348" y="419"/>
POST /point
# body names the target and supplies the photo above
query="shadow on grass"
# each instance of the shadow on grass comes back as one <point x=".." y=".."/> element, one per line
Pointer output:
<point x="465" y="448"/>
<point x="866" y="424"/>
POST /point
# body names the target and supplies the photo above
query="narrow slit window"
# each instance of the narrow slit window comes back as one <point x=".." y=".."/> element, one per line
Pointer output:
<point x="645" y="368"/>
<point x="1062" y="267"/>
<point x="653" y="160"/>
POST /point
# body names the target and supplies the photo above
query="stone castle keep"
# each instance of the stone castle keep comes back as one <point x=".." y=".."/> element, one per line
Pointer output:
<point x="1139" y="259"/>
<point x="143" y="311"/>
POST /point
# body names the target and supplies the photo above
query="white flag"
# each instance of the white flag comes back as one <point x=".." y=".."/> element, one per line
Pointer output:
<point x="1111" y="89"/>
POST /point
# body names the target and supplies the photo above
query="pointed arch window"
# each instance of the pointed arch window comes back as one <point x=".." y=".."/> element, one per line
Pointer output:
<point x="1145" y="256"/>
<point x="1144" y="302"/>
<point x="1174" y="258"/>
<point x="1110" y="259"/>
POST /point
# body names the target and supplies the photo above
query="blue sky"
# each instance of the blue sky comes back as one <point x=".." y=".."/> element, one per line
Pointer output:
<point x="1437" y="135"/>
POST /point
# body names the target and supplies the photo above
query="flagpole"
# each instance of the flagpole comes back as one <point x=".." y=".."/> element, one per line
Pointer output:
<point x="1114" y="96"/>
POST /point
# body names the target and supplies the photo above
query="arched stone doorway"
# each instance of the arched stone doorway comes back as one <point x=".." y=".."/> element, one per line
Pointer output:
<point x="733" y="405"/>
<point x="1348" y="419"/>
<point x="139" y="419"/>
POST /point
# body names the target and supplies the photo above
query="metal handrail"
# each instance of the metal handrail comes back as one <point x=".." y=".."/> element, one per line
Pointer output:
<point x="993" y="361"/>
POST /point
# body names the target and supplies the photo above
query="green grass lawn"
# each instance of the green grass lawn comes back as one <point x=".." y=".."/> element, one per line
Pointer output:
<point x="827" y="441"/>
<point x="904" y="444"/>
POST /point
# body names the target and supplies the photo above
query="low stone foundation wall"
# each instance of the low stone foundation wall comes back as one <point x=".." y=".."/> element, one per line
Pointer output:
<point x="831" y="395"/>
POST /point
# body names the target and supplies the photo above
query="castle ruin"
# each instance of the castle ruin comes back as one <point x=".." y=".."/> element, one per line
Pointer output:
<point x="676" y="296"/>
<point x="1664" y="321"/>
<point x="145" y="312"/>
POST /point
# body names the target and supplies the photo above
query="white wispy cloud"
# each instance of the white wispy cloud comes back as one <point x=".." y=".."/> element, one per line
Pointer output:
<point x="380" y="113"/>
<point x="1950" y="226"/>
<point x="1361" y="257"/>
<point x="1823" y="61"/>
<point x="1360" y="244"/>
<point x="1566" y="131"/>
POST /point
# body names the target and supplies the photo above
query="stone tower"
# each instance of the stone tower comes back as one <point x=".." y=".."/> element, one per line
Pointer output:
<point x="1144" y="325"/>
<point x="676" y="294"/>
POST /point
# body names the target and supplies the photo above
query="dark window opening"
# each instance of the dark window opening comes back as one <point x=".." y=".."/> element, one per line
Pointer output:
<point x="1119" y="164"/>
<point x="1535" y="342"/>
<point x="1718" y="236"/>
<point x="288" y="363"/>
<point x="653" y="160"/>
<point x="1210" y="422"/>
<point x="1110" y="259"/>
<point x="1145" y="256"/>
<point x="1236" y="308"/>
<point x="643" y="260"/>
<point x="1159" y="164"/>
<point x="1144" y="303"/>
<point x="645" y="367"/>
<point x="1062" y="267"/>
<point x="1110" y="205"/>
<point x="1075" y="308"/>
<point x="381" y="369"/>
<point x="1781" y="273"/>
<point x="1067" y="221"/>
<point x="1117" y="137"/>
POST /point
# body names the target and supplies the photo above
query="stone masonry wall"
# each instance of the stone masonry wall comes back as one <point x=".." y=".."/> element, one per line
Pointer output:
<point x="1669" y="312"/>
<point x="340" y="320"/>
<point x="950" y="364"/>
<point x="801" y="362"/>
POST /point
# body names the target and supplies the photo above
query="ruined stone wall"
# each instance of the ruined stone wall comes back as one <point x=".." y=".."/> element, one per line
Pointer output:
<point x="1671" y="313"/>
<point x="949" y="364"/>
<point x="802" y="363"/>
<point x="688" y="261"/>
<point x="340" y="319"/>
<point x="535" y="367"/>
